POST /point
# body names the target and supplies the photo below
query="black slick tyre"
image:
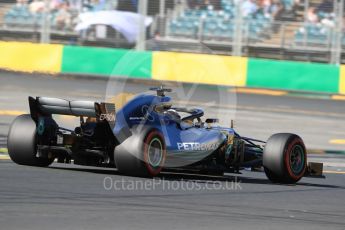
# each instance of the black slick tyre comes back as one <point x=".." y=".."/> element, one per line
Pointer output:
<point x="22" y="144"/>
<point x="285" y="158"/>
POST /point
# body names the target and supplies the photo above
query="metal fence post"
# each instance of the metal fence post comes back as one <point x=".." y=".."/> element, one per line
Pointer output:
<point x="337" y="32"/>
<point x="305" y="23"/>
<point x="238" y="31"/>
<point x="162" y="8"/>
<point x="142" y="11"/>
<point x="45" y="24"/>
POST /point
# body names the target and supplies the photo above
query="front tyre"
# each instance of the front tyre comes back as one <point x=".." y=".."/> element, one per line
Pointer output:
<point x="22" y="142"/>
<point x="285" y="158"/>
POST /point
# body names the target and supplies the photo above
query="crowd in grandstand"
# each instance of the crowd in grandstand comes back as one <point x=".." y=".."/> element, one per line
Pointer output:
<point x="319" y="19"/>
<point x="217" y="14"/>
<point x="322" y="14"/>
<point x="63" y="14"/>
<point x="268" y="7"/>
<point x="218" y="18"/>
<point x="319" y="23"/>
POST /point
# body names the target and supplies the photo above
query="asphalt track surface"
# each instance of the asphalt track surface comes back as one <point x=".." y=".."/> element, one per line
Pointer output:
<point x="76" y="197"/>
<point x="73" y="197"/>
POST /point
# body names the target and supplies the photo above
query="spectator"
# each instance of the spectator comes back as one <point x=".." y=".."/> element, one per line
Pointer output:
<point x="195" y="4"/>
<point x="76" y="5"/>
<point x="205" y="4"/>
<point x="154" y="44"/>
<point x="37" y="6"/>
<point x="312" y="16"/>
<point x="249" y="7"/>
<point x="276" y="9"/>
<point x="271" y="8"/>
<point x="328" y="21"/>
<point x="21" y="5"/>
<point x="98" y="5"/>
<point x="294" y="8"/>
<point x="54" y="4"/>
<point x="63" y="18"/>
<point x="265" y="6"/>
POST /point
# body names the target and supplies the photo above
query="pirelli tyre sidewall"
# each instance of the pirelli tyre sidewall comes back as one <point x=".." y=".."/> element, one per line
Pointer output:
<point x="285" y="158"/>
<point x="154" y="153"/>
<point x="141" y="154"/>
<point x="22" y="142"/>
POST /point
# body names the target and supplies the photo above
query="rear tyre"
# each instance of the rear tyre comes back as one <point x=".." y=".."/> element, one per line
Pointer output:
<point x="22" y="142"/>
<point x="139" y="156"/>
<point x="285" y="158"/>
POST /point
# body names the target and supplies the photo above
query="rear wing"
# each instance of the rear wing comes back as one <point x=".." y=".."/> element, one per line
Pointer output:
<point x="46" y="106"/>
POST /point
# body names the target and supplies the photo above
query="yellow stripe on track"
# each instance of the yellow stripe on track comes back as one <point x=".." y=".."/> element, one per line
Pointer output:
<point x="337" y="141"/>
<point x="313" y="151"/>
<point x="259" y="91"/>
<point x="333" y="172"/>
<point x="338" y="97"/>
<point x="11" y="112"/>
<point x="4" y="157"/>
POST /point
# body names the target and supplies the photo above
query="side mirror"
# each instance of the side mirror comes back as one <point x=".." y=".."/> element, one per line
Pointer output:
<point x="212" y="120"/>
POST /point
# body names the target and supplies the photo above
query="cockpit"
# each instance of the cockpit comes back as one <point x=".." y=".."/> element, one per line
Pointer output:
<point x="185" y="118"/>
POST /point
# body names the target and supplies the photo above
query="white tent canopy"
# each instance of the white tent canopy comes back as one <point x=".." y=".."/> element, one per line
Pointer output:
<point x="126" y="23"/>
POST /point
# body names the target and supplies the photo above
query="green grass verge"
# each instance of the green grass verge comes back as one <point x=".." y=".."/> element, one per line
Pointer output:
<point x="3" y="150"/>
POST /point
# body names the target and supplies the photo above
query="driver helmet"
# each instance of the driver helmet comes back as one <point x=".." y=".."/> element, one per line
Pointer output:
<point x="173" y="114"/>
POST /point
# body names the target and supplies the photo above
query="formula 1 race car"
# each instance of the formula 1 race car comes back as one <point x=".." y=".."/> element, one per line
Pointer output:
<point x="148" y="135"/>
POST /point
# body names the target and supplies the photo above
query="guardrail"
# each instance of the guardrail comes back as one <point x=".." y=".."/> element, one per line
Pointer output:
<point x="173" y="66"/>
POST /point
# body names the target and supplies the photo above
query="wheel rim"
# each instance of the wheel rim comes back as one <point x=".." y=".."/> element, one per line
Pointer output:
<point x="155" y="152"/>
<point x="297" y="159"/>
